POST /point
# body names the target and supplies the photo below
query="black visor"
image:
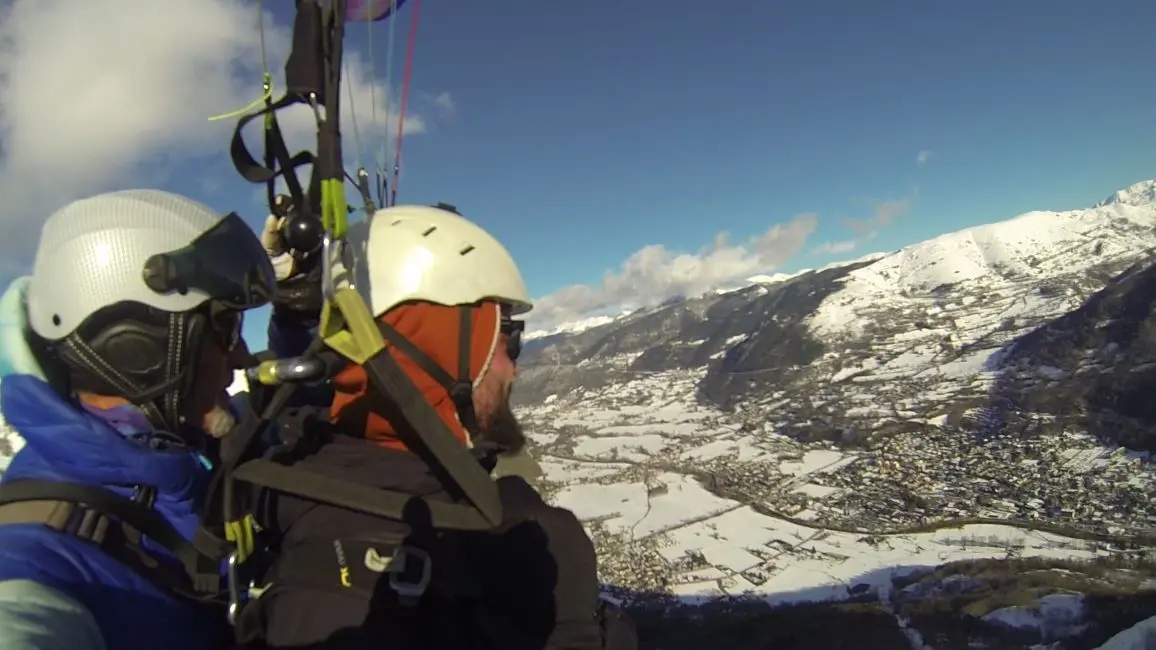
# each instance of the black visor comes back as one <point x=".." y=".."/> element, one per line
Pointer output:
<point x="226" y="262"/>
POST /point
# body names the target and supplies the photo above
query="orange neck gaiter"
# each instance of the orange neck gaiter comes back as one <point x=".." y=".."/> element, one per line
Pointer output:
<point x="433" y="329"/>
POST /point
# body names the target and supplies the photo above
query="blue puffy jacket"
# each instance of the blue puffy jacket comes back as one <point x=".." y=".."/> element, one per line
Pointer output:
<point x="57" y="591"/>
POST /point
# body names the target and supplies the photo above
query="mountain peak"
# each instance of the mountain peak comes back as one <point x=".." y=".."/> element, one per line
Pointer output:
<point x="1138" y="194"/>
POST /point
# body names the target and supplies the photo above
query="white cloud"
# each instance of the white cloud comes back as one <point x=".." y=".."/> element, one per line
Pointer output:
<point x="445" y="103"/>
<point x="654" y="273"/>
<point x="923" y="157"/>
<point x="102" y="94"/>
<point x="835" y="247"/>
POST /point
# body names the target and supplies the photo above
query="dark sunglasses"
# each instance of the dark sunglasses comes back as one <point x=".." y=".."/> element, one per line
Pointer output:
<point x="513" y="330"/>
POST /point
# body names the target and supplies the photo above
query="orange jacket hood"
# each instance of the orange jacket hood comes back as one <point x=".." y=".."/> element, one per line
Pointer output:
<point x="433" y="329"/>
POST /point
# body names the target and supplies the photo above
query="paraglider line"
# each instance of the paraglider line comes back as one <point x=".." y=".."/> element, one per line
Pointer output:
<point x="353" y="115"/>
<point x="382" y="176"/>
<point x="404" y="97"/>
<point x="372" y="73"/>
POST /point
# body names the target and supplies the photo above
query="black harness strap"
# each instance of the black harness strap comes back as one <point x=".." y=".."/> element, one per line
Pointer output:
<point x="353" y="496"/>
<point x="461" y="389"/>
<point x="437" y="442"/>
<point x="432" y="434"/>
<point x="117" y="525"/>
<point x="278" y="162"/>
<point x="305" y="75"/>
<point x="222" y="502"/>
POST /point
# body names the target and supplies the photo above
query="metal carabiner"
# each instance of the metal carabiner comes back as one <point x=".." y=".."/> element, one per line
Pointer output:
<point x="234" y="585"/>
<point x="328" y="289"/>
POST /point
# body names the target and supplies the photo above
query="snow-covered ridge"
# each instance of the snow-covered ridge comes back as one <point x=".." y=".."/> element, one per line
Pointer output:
<point x="572" y="328"/>
<point x="1138" y="194"/>
<point x="584" y="324"/>
<point x="1038" y="245"/>
<point x="1014" y="245"/>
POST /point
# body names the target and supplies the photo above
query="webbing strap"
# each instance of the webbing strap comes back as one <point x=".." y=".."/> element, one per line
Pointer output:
<point x="223" y="507"/>
<point x="435" y="436"/>
<point x="276" y="153"/>
<point x="460" y="389"/>
<point x="368" y="500"/>
<point x="117" y="525"/>
<point x="305" y="76"/>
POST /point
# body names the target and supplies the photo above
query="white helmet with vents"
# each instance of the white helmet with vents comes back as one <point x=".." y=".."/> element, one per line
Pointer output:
<point x="416" y="252"/>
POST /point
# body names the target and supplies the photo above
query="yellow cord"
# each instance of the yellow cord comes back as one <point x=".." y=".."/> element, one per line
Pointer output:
<point x="266" y="78"/>
<point x="256" y="104"/>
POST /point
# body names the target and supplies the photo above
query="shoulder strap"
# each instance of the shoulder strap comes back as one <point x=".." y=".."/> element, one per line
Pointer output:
<point x="353" y="496"/>
<point x="429" y="439"/>
<point x="117" y="525"/>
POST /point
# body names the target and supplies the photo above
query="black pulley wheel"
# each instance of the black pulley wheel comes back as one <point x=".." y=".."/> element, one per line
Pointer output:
<point x="302" y="232"/>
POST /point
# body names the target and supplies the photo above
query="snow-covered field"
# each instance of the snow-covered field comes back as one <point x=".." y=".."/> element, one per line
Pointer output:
<point x="621" y="476"/>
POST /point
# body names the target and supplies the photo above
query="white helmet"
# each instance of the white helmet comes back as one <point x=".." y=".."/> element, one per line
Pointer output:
<point x="126" y="285"/>
<point x="417" y="252"/>
<point x="96" y="252"/>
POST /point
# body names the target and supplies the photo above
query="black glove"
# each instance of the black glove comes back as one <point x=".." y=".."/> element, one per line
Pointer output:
<point x="298" y="273"/>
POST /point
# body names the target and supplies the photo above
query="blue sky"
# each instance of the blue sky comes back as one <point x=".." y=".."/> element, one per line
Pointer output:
<point x="586" y="131"/>
<point x="583" y="132"/>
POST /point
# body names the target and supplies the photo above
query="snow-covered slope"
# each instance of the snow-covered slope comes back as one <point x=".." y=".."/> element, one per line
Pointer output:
<point x="572" y="327"/>
<point x="1036" y="246"/>
<point x="583" y="324"/>
<point x="1138" y="194"/>
<point x="711" y="443"/>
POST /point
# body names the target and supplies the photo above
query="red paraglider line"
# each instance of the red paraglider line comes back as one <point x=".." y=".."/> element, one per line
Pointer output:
<point x="415" y="7"/>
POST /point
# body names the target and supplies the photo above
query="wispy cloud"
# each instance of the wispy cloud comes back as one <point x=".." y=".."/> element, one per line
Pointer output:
<point x="883" y="215"/>
<point x="835" y="247"/>
<point x="102" y="94"/>
<point x="923" y="157"/>
<point x="445" y="103"/>
<point x="655" y="273"/>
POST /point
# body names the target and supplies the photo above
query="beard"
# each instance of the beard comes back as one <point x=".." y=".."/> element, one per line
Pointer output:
<point x="502" y="429"/>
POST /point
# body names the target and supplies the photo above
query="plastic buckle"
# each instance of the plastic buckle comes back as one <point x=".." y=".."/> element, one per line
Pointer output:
<point x="409" y="593"/>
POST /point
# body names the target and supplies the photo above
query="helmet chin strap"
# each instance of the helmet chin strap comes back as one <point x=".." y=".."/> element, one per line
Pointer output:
<point x="460" y="389"/>
<point x="160" y="402"/>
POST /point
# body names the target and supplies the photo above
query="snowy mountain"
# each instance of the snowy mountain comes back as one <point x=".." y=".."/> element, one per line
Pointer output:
<point x="944" y="446"/>
<point x="845" y="427"/>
